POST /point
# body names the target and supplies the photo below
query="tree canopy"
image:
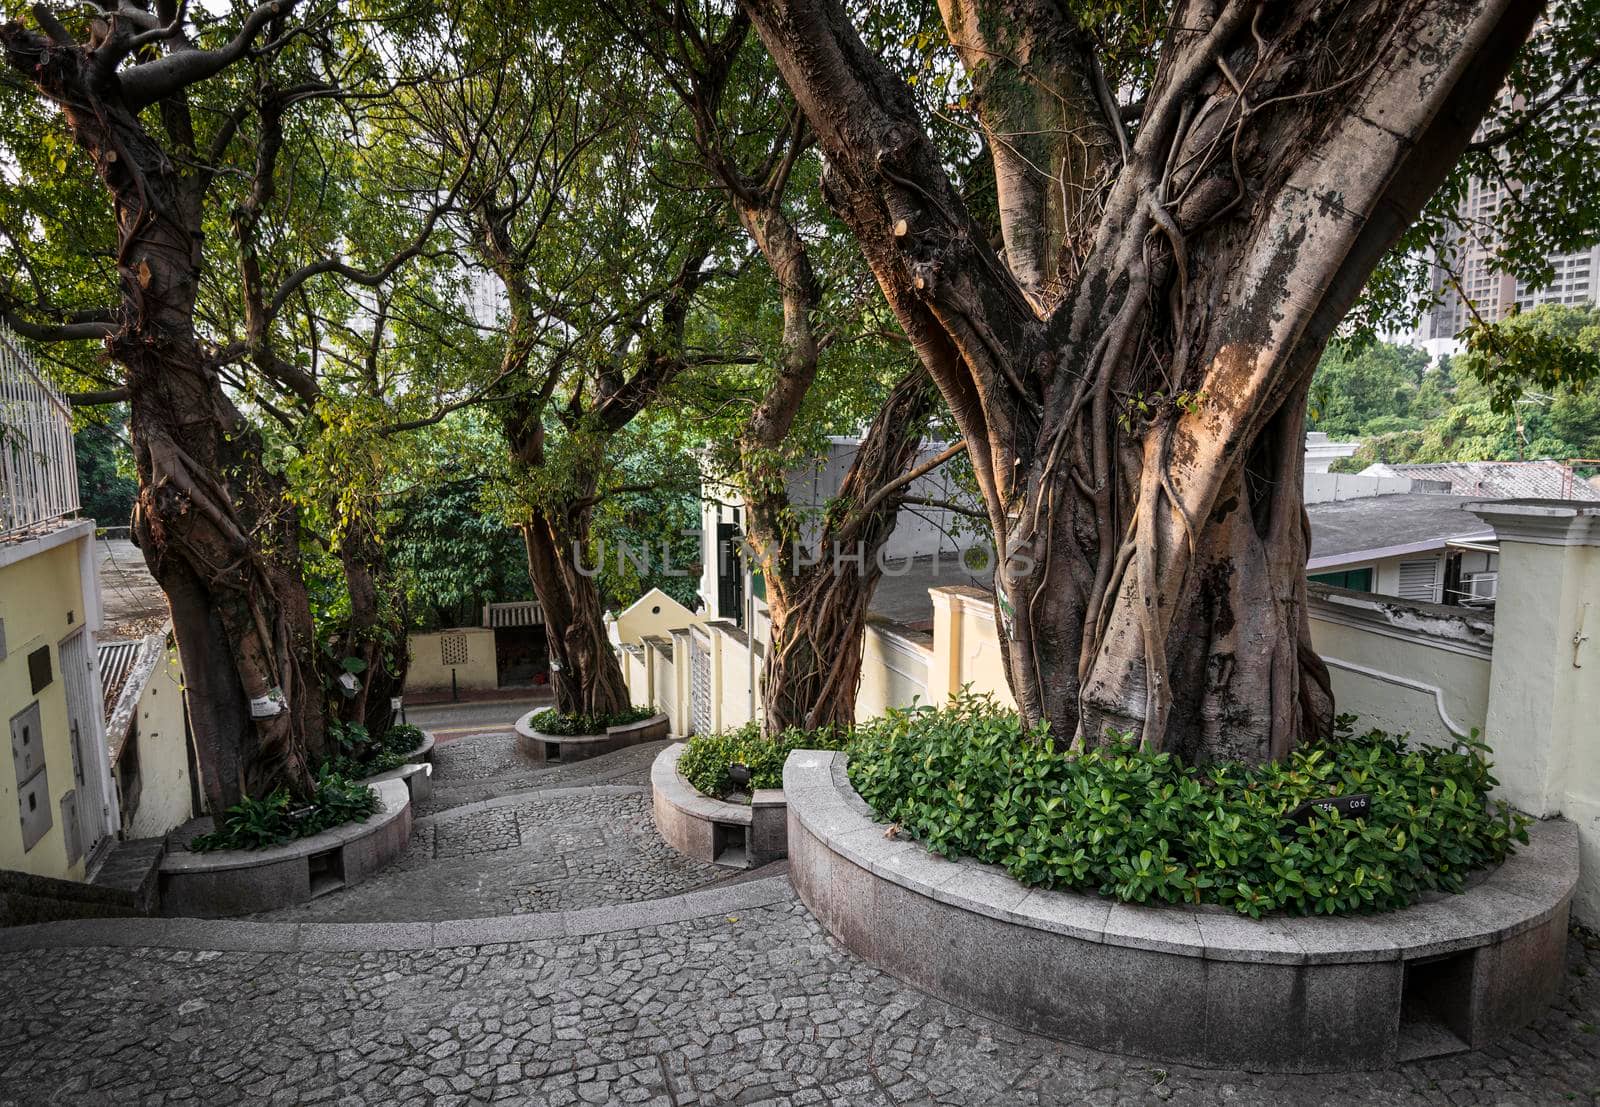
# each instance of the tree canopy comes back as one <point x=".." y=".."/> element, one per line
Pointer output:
<point x="381" y="280"/>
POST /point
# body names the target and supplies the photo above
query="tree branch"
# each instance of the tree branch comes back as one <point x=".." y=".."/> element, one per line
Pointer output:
<point x="150" y="81"/>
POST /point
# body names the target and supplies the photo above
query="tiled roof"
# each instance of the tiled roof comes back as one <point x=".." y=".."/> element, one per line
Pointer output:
<point x="1520" y="480"/>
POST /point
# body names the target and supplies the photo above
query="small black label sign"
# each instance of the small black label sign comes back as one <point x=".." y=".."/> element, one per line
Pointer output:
<point x="1349" y="807"/>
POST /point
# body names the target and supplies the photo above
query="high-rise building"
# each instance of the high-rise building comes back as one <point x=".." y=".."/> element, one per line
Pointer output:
<point x="1494" y="294"/>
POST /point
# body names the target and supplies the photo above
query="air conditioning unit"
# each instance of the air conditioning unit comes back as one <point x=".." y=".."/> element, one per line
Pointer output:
<point x="1480" y="587"/>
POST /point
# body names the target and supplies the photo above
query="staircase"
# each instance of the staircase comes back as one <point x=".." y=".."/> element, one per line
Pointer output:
<point x="133" y="869"/>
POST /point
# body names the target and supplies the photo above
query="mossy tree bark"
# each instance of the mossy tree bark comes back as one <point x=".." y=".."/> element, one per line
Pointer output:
<point x="1130" y="378"/>
<point x="215" y="526"/>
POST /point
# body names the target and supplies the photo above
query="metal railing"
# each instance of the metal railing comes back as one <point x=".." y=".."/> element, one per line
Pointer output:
<point x="38" y="470"/>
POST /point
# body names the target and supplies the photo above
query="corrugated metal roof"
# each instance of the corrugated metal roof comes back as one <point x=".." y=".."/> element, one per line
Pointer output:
<point x="1499" y="480"/>
<point x="116" y="662"/>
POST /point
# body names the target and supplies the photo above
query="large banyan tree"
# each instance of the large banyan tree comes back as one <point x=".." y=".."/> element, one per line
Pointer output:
<point x="1129" y="357"/>
<point x="202" y="131"/>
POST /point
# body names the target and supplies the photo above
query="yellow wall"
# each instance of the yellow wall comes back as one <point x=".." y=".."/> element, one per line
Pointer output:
<point x="894" y="669"/>
<point x="165" y="798"/>
<point x="36" y="593"/>
<point x="1402" y="684"/>
<point x="428" y="669"/>
<point x="966" y="646"/>
<point x="733" y="708"/>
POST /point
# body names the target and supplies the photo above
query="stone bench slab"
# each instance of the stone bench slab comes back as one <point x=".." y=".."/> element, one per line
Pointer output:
<point x="580" y="747"/>
<point x="239" y="882"/>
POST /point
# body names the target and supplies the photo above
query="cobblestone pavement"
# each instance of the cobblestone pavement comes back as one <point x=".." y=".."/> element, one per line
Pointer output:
<point x="571" y="849"/>
<point x="761" y="1007"/>
<point x="481" y="766"/>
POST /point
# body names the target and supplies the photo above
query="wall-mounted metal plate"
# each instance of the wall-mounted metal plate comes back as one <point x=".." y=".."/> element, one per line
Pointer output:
<point x="33" y="804"/>
<point x="27" y="742"/>
<point x="39" y="669"/>
<point x="69" y="826"/>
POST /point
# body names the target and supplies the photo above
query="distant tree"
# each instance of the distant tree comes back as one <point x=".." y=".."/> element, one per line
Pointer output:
<point x="454" y="554"/>
<point x="106" y="490"/>
<point x="1359" y="384"/>
<point x="755" y="146"/>
<point x="1522" y="391"/>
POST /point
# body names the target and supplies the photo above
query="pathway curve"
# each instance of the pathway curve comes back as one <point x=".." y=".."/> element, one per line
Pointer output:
<point x="503" y="834"/>
<point x="482" y="766"/>
<point x="555" y="849"/>
<point x="751" y="1005"/>
<point x="532" y="984"/>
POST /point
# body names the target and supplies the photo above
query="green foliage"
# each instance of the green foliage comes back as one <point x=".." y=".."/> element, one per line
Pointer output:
<point x="106" y="489"/>
<point x="1521" y="391"/>
<point x="454" y="556"/>
<point x="360" y="757"/>
<point x="1549" y="349"/>
<point x="258" y="823"/>
<point x="970" y="780"/>
<point x="561" y="725"/>
<point x="706" y="759"/>
<point x="1358" y="386"/>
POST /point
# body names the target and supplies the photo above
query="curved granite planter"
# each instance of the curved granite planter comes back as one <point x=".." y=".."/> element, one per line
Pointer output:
<point x="580" y="747"/>
<point x="738" y="835"/>
<point x="417" y="776"/>
<point x="1201" y="986"/>
<point x="238" y="882"/>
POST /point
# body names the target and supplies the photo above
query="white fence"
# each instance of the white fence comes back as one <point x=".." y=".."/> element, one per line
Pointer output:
<point x="519" y="613"/>
<point x="38" y="470"/>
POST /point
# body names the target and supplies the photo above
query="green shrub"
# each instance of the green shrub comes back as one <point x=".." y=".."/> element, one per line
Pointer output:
<point x="257" y="823"/>
<point x="388" y="752"/>
<point x="553" y="722"/>
<point x="969" y="780"/>
<point x="705" y="762"/>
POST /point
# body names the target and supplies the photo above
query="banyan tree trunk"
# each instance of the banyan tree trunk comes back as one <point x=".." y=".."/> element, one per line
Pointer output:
<point x="215" y="525"/>
<point x="1134" y="412"/>
<point x="584" y="670"/>
<point x="221" y="538"/>
<point x="375" y="632"/>
<point x="812" y="669"/>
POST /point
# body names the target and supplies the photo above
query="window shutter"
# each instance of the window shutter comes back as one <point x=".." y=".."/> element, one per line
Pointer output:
<point x="1419" y="580"/>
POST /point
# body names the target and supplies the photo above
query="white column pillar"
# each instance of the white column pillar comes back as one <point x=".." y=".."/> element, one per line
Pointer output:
<point x="1544" y="686"/>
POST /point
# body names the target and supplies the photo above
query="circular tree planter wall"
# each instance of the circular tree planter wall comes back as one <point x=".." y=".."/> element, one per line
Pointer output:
<point x="715" y="831"/>
<point x="424" y="751"/>
<point x="581" y="747"/>
<point x="242" y="881"/>
<point x="1199" y="985"/>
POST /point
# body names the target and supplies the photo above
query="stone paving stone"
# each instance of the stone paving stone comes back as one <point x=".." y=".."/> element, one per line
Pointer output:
<point x="556" y="852"/>
<point x="763" y="1007"/>
<point x="760" y="1006"/>
<point x="482" y="766"/>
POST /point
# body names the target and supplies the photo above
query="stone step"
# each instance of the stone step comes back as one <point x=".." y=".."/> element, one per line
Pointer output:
<point x="134" y="866"/>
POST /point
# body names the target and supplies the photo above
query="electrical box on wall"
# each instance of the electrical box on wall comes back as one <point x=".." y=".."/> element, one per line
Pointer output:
<point x="27" y="742"/>
<point x="33" y="804"/>
<point x="33" y="782"/>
